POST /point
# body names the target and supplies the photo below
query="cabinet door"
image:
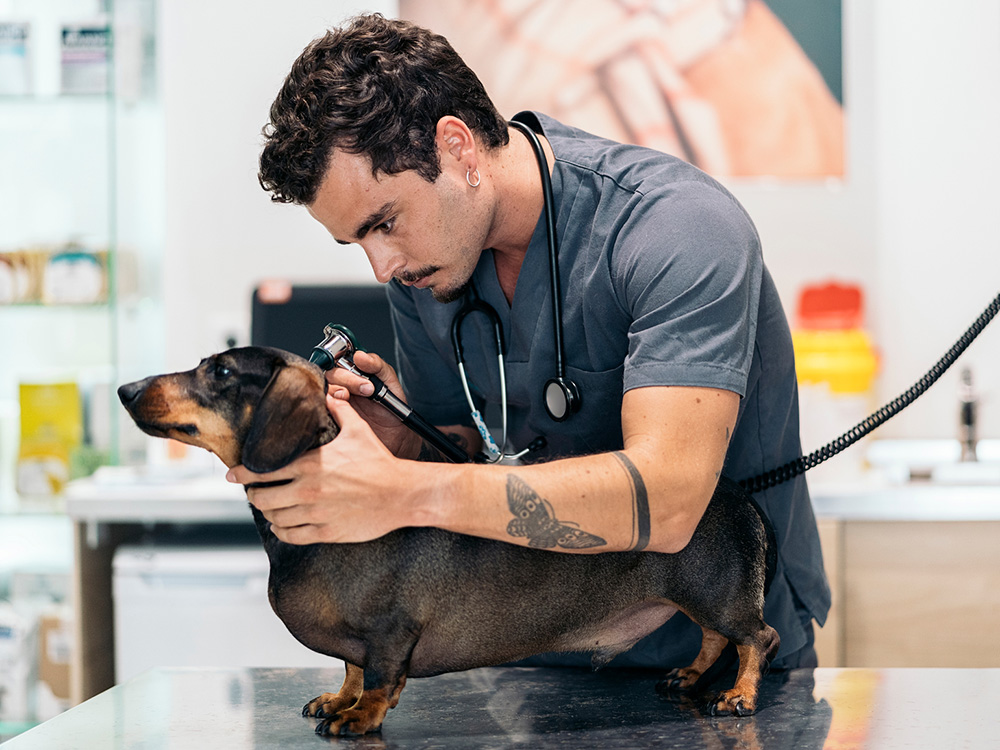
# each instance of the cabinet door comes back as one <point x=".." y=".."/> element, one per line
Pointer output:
<point x="922" y="594"/>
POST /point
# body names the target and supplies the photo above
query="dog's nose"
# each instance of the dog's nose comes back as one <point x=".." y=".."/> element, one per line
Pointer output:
<point x="131" y="391"/>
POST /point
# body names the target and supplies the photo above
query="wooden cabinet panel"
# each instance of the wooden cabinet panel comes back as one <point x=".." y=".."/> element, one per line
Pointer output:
<point x="829" y="638"/>
<point x="921" y="594"/>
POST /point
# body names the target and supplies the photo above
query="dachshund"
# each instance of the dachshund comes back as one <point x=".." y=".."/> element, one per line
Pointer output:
<point x="419" y="602"/>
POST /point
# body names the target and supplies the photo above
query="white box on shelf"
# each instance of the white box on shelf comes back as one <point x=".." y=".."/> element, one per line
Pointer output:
<point x="18" y="663"/>
<point x="85" y="57"/>
<point x="55" y="656"/>
<point x="15" y="58"/>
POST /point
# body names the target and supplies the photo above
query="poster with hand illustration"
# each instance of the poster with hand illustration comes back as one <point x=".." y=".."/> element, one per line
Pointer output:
<point x="740" y="88"/>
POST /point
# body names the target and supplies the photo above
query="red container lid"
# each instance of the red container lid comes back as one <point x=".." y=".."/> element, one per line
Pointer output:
<point x="831" y="306"/>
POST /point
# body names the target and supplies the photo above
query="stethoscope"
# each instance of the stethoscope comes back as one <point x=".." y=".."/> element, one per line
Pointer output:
<point x="561" y="395"/>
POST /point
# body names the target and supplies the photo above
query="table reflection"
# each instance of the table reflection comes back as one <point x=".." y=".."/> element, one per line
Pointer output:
<point x="876" y="709"/>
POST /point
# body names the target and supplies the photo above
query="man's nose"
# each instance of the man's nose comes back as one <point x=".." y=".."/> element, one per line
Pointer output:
<point x="384" y="262"/>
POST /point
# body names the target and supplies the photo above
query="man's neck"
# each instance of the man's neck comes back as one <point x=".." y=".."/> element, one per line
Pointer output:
<point x="519" y="207"/>
<point x="508" y="270"/>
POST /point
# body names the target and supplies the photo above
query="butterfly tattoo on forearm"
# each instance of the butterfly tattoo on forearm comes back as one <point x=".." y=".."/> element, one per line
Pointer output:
<point x="535" y="520"/>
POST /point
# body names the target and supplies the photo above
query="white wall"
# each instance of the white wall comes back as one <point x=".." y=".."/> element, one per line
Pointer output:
<point x="222" y="65"/>
<point x="938" y="157"/>
<point x="912" y="221"/>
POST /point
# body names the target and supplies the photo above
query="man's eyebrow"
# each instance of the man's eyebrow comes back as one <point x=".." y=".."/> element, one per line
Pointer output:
<point x="375" y="218"/>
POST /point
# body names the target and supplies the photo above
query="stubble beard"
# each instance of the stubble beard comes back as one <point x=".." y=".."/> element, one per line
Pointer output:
<point x="451" y="294"/>
<point x="443" y="295"/>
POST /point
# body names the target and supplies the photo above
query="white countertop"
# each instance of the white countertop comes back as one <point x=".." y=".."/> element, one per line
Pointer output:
<point x="914" y="501"/>
<point x="132" y="494"/>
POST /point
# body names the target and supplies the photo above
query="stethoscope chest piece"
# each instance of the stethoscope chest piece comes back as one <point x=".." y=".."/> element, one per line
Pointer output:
<point x="562" y="398"/>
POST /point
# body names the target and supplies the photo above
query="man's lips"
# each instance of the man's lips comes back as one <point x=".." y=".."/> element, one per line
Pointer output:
<point x="416" y="281"/>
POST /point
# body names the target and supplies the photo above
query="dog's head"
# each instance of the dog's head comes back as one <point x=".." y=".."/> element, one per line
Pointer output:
<point x="254" y="406"/>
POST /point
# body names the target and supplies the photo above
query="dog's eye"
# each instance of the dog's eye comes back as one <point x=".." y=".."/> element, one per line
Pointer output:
<point x="221" y="371"/>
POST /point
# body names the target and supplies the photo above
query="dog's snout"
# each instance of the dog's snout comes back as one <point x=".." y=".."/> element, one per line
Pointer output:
<point x="131" y="391"/>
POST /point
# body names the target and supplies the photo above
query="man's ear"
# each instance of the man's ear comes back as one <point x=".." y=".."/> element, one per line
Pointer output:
<point x="454" y="139"/>
<point x="290" y="419"/>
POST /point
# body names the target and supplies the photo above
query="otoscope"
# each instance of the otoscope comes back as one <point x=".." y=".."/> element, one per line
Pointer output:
<point x="337" y="350"/>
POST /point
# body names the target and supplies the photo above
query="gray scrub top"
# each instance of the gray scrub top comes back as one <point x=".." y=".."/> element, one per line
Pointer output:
<point x="663" y="283"/>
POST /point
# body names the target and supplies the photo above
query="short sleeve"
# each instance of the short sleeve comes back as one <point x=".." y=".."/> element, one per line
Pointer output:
<point x="688" y="268"/>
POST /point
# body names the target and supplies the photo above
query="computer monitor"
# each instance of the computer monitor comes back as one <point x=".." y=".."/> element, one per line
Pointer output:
<point x="292" y="318"/>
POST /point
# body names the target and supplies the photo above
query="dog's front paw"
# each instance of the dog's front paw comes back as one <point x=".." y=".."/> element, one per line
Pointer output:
<point x="679" y="680"/>
<point x="349" y="722"/>
<point x="733" y="702"/>
<point x="327" y="705"/>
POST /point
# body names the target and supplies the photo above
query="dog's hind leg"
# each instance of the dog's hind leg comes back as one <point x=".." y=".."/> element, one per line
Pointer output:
<point x="755" y="654"/>
<point x="683" y="679"/>
<point x="330" y="704"/>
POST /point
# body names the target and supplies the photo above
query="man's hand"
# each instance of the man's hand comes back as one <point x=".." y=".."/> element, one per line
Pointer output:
<point x="348" y="490"/>
<point x="399" y="439"/>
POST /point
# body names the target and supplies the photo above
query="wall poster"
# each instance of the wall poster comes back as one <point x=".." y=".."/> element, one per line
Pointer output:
<point x="740" y="88"/>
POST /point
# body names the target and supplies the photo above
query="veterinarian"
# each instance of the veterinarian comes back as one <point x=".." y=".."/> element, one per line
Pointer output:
<point x="674" y="336"/>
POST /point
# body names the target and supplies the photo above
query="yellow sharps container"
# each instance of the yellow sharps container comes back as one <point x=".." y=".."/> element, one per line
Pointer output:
<point x="836" y="364"/>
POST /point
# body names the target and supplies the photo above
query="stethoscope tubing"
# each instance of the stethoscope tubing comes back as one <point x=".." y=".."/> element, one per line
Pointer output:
<point x="550" y="235"/>
<point x="566" y="392"/>
<point x="494" y="451"/>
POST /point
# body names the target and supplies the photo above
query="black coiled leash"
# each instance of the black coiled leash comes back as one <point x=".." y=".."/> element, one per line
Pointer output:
<point x="804" y="463"/>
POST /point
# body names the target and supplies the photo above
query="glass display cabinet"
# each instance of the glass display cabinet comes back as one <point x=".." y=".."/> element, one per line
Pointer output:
<point x="81" y="228"/>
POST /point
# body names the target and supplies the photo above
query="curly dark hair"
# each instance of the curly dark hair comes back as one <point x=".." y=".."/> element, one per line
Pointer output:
<point x="375" y="86"/>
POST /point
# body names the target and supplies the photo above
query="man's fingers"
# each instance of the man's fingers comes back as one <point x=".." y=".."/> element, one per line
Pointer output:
<point x="296" y="534"/>
<point x="340" y="378"/>
<point x="269" y="500"/>
<point x="242" y="475"/>
<point x="343" y="412"/>
<point x="368" y="362"/>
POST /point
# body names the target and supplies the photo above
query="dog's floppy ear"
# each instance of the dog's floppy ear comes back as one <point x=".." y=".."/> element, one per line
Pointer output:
<point x="290" y="419"/>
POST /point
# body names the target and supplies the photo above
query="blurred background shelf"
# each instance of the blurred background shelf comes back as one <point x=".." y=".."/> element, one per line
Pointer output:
<point x="81" y="173"/>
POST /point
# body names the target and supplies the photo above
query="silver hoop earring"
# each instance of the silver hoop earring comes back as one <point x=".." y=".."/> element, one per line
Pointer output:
<point x="468" y="178"/>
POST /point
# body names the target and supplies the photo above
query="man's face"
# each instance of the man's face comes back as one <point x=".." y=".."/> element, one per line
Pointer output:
<point x="423" y="234"/>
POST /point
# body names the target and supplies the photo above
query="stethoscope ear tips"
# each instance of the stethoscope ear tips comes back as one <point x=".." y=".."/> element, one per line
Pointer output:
<point x="562" y="398"/>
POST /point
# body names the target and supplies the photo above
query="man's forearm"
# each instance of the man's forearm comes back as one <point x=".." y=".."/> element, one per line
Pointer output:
<point x="596" y="503"/>
<point x="649" y="495"/>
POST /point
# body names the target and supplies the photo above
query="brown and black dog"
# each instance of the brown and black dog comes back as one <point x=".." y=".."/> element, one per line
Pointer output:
<point x="423" y="601"/>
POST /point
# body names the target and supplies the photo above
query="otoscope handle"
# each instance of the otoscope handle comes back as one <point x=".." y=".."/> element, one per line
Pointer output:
<point x="415" y="422"/>
<point x="436" y="438"/>
<point x="336" y="350"/>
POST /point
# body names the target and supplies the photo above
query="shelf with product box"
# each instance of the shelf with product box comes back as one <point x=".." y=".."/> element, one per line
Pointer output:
<point x="81" y="167"/>
<point x="80" y="136"/>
